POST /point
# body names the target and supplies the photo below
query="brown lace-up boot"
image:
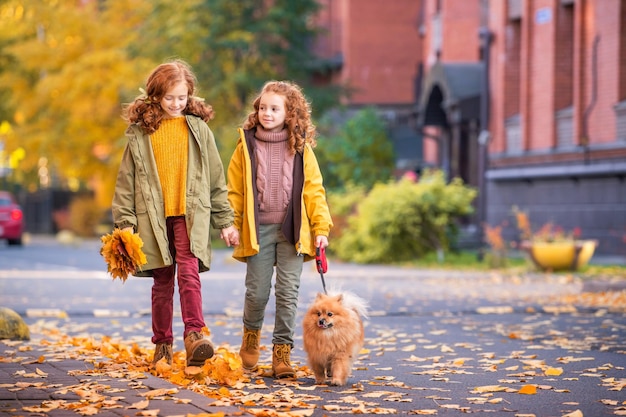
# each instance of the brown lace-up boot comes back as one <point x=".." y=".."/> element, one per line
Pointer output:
<point x="163" y="350"/>
<point x="250" y="349"/>
<point x="198" y="349"/>
<point x="281" y="364"/>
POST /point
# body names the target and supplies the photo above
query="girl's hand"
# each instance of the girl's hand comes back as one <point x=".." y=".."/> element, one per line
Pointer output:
<point x="321" y="241"/>
<point x="230" y="236"/>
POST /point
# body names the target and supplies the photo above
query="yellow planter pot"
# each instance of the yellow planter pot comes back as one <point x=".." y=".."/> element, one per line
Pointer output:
<point x="555" y="256"/>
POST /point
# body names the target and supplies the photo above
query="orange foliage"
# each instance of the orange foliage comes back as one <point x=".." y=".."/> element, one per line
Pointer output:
<point x="549" y="232"/>
<point x="122" y="252"/>
<point x="523" y="223"/>
<point x="493" y="235"/>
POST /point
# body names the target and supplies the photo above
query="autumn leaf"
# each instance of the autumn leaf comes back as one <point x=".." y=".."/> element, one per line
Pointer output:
<point x="140" y="405"/>
<point x="489" y="388"/>
<point x="528" y="390"/>
<point x="159" y="392"/>
<point x="553" y="371"/>
<point x="495" y="310"/>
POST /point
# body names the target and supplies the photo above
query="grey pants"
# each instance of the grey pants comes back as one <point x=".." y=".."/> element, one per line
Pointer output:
<point x="274" y="251"/>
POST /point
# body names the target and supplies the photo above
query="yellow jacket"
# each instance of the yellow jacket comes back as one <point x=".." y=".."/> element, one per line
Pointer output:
<point x="314" y="218"/>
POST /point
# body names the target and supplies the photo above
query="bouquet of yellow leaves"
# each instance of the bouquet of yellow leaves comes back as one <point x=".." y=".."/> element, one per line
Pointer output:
<point x="122" y="252"/>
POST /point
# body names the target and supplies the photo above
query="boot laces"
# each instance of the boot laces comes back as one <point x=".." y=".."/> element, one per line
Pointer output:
<point x="252" y="340"/>
<point x="282" y="353"/>
<point x="193" y="336"/>
<point x="163" y="350"/>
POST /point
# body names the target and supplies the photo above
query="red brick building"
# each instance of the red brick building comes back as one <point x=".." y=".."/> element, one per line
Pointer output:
<point x="524" y="99"/>
<point x="558" y="115"/>
<point x="374" y="47"/>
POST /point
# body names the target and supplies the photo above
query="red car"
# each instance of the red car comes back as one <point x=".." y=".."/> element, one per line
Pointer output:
<point x="11" y="219"/>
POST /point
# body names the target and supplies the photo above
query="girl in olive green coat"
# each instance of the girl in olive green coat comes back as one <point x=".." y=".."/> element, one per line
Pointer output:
<point x="170" y="189"/>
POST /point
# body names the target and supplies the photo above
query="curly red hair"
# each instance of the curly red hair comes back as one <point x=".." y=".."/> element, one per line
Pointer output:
<point x="146" y="109"/>
<point x="298" y="114"/>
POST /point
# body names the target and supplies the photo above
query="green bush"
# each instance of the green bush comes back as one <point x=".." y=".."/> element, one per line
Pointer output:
<point x="404" y="220"/>
<point x="360" y="152"/>
<point x="342" y="205"/>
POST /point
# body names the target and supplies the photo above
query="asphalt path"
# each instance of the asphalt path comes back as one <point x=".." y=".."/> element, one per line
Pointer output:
<point x="444" y="342"/>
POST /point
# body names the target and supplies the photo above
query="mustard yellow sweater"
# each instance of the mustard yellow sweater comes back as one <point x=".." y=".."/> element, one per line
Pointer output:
<point x="170" y="146"/>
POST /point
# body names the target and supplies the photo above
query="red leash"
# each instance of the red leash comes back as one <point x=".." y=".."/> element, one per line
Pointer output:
<point x="322" y="264"/>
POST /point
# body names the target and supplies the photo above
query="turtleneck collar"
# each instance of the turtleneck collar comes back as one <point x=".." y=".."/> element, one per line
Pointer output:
<point x="266" y="136"/>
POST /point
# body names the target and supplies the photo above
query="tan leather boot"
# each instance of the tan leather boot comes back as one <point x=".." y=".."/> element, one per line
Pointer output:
<point x="281" y="364"/>
<point x="163" y="350"/>
<point x="198" y="349"/>
<point x="250" y="349"/>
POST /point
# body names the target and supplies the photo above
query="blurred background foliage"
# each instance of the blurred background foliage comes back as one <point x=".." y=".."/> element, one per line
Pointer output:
<point x="360" y="152"/>
<point x="67" y="67"/>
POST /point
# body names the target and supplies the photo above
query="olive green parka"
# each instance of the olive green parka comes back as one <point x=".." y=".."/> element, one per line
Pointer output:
<point x="138" y="198"/>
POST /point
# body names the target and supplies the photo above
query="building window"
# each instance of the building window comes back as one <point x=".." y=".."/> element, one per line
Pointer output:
<point x="620" y="120"/>
<point x="514" y="9"/>
<point x="513" y="131"/>
<point x="564" y="57"/>
<point x="437" y="36"/>
<point x="565" y="128"/>
<point x="513" y="68"/>
<point x="620" y="107"/>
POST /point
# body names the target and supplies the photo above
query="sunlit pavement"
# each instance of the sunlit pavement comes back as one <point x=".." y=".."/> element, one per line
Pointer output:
<point x="437" y="342"/>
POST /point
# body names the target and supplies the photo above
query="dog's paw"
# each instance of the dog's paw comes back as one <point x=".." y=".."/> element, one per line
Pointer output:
<point x="337" y="382"/>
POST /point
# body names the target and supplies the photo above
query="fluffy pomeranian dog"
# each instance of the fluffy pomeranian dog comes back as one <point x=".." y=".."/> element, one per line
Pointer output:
<point x="332" y="331"/>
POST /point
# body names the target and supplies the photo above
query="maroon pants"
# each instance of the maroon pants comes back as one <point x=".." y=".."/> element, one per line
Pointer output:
<point x="188" y="286"/>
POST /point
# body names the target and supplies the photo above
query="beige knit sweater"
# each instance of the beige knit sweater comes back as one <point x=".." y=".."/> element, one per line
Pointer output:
<point x="274" y="179"/>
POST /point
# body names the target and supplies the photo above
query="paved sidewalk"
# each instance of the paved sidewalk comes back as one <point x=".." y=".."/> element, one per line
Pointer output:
<point x="437" y="343"/>
<point x="54" y="386"/>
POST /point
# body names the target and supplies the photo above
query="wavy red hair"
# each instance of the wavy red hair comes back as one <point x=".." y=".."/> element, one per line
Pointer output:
<point x="298" y="114"/>
<point x="146" y="109"/>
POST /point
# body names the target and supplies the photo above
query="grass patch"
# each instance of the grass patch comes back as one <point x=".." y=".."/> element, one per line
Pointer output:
<point x="608" y="271"/>
<point x="470" y="261"/>
<point x="466" y="260"/>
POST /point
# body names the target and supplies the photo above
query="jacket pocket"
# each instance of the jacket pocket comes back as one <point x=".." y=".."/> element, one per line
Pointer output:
<point x="205" y="202"/>
<point x="202" y="216"/>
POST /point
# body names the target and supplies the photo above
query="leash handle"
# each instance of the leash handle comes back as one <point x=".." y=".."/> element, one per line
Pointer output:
<point x="320" y="260"/>
<point x="322" y="264"/>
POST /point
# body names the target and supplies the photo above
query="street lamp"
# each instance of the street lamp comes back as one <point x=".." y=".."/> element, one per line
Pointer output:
<point x="486" y="37"/>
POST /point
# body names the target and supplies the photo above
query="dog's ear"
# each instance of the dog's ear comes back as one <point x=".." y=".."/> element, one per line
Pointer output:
<point x="339" y="298"/>
<point x="318" y="296"/>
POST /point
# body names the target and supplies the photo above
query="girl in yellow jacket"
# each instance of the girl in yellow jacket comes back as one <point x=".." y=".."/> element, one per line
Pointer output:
<point x="275" y="189"/>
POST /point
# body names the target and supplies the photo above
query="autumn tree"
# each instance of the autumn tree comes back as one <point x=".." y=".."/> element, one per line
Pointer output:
<point x="358" y="153"/>
<point x="236" y="46"/>
<point x="69" y="67"/>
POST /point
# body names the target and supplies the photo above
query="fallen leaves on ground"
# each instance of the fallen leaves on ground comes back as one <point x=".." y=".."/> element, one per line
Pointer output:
<point x="428" y="353"/>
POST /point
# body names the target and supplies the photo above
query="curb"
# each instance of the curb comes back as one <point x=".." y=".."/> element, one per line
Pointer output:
<point x="35" y="313"/>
